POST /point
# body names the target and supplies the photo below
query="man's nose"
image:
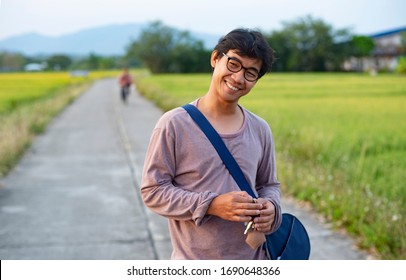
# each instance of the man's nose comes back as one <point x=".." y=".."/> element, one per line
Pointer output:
<point x="239" y="76"/>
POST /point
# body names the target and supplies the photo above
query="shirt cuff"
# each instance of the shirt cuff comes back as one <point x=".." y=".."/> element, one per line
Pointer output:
<point x="199" y="215"/>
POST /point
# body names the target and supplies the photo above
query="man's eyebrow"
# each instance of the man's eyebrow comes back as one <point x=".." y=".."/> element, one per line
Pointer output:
<point x="236" y="58"/>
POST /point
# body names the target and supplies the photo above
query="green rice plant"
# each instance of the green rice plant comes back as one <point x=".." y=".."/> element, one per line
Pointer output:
<point x="340" y="140"/>
<point x="170" y="92"/>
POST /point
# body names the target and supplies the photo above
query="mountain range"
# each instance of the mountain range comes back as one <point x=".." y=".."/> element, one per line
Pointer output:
<point x="105" y="40"/>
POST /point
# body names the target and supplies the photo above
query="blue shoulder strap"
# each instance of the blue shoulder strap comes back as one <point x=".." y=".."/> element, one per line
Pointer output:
<point x="220" y="147"/>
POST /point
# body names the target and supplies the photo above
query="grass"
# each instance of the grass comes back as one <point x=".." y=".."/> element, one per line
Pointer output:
<point x="340" y="140"/>
<point x="28" y="102"/>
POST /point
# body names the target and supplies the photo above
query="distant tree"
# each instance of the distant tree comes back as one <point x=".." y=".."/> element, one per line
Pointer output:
<point x="59" y="62"/>
<point x="11" y="61"/>
<point x="96" y="62"/>
<point x="341" y="49"/>
<point x="280" y="43"/>
<point x="165" y="49"/>
<point x="361" y="46"/>
<point x="188" y="55"/>
<point x="153" y="47"/>
<point x="307" y="44"/>
<point x="93" y="61"/>
<point x="128" y="61"/>
<point x="108" y="63"/>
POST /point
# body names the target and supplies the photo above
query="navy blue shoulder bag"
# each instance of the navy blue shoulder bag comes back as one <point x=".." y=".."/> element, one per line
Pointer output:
<point x="290" y="241"/>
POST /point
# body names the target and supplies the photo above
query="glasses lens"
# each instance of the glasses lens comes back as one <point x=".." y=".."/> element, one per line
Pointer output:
<point x="233" y="65"/>
<point x="251" y="75"/>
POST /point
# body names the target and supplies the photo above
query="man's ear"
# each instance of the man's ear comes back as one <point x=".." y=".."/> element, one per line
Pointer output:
<point x="214" y="58"/>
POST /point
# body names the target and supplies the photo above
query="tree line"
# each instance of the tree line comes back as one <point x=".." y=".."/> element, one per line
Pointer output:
<point x="10" y="61"/>
<point x="305" y="44"/>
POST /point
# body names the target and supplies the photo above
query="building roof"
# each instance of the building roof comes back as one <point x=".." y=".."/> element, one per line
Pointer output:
<point x="388" y="32"/>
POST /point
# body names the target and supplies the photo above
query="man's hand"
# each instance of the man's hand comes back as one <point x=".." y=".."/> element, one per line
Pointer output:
<point x="264" y="222"/>
<point x="236" y="206"/>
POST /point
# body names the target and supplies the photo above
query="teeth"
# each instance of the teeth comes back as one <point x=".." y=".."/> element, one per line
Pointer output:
<point x="231" y="87"/>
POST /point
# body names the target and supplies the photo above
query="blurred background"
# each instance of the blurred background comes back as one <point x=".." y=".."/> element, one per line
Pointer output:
<point x="336" y="99"/>
<point x="346" y="35"/>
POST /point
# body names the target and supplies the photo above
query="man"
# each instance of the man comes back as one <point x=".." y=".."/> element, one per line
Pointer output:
<point x="125" y="82"/>
<point x="185" y="180"/>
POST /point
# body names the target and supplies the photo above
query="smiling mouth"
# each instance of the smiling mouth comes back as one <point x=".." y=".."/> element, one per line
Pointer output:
<point x="231" y="87"/>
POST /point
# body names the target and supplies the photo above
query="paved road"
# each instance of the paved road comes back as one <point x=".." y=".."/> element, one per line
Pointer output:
<point x="75" y="193"/>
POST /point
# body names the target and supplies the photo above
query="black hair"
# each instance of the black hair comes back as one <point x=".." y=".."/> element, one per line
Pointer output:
<point x="249" y="43"/>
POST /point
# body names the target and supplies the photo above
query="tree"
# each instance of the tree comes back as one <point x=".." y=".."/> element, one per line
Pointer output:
<point x="307" y="44"/>
<point x="153" y="47"/>
<point x="11" y="61"/>
<point x="361" y="46"/>
<point x="164" y="49"/>
<point x="59" y="62"/>
<point x="93" y="61"/>
<point x="280" y="43"/>
<point x="188" y="55"/>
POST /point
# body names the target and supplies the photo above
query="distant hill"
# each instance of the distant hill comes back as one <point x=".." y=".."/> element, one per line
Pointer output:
<point x="105" y="40"/>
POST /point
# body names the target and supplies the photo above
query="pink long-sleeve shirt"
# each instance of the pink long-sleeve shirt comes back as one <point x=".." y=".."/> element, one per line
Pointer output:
<point x="183" y="173"/>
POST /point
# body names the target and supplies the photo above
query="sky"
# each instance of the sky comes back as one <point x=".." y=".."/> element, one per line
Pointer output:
<point x="60" y="17"/>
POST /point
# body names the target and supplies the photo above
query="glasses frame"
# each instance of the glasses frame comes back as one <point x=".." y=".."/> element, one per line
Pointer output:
<point x="241" y="67"/>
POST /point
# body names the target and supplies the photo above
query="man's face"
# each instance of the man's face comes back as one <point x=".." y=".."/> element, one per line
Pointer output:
<point x="234" y="75"/>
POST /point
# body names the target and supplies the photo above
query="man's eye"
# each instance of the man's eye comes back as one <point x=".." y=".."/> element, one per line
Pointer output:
<point x="251" y="74"/>
<point x="234" y="64"/>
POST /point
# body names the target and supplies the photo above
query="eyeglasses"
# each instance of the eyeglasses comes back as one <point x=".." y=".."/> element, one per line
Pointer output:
<point x="234" y="65"/>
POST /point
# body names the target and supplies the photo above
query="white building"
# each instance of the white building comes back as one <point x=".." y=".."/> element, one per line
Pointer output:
<point x="35" y="67"/>
<point x="388" y="48"/>
<point x="385" y="56"/>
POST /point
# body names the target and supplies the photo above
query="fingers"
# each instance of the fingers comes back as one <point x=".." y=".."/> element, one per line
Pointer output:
<point x="264" y="223"/>
<point x="238" y="206"/>
<point x="244" y="197"/>
<point x="245" y="211"/>
<point x="267" y="216"/>
<point x="234" y="206"/>
<point x="246" y="206"/>
<point x="263" y="227"/>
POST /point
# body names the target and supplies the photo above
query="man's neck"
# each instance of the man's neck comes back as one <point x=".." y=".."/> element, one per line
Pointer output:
<point x="226" y="118"/>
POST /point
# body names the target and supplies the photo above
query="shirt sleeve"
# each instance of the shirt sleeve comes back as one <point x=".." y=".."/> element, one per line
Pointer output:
<point x="267" y="184"/>
<point x="158" y="190"/>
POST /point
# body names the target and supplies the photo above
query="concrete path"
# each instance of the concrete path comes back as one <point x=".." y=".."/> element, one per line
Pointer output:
<point x="75" y="193"/>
